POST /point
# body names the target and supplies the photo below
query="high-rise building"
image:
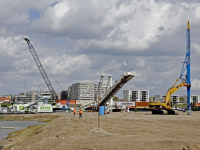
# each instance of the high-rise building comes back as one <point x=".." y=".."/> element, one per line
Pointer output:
<point x="85" y="91"/>
<point x="103" y="91"/>
<point x="82" y="91"/>
<point x="136" y="95"/>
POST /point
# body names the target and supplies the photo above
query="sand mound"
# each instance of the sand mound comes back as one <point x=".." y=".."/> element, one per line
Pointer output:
<point x="96" y="130"/>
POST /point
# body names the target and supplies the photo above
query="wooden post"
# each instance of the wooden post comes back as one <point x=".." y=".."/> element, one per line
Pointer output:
<point x="98" y="111"/>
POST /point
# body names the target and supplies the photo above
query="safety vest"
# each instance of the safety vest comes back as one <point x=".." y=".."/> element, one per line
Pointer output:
<point x="80" y="111"/>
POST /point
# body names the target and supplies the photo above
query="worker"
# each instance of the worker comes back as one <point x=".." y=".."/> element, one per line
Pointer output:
<point x="74" y="112"/>
<point x="80" y="113"/>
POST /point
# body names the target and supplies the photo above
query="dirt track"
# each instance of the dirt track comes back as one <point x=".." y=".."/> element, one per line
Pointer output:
<point x="133" y="130"/>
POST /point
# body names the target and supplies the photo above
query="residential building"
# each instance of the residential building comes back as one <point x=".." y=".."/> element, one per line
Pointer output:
<point x="32" y="96"/>
<point x="5" y="99"/>
<point x="82" y="91"/>
<point x="194" y="99"/>
<point x="174" y="98"/>
<point x="127" y="95"/>
<point x="85" y="91"/>
<point x="103" y="91"/>
<point x="136" y="95"/>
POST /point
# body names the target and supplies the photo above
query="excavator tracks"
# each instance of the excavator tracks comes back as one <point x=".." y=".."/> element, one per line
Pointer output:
<point x="165" y="112"/>
<point x="159" y="112"/>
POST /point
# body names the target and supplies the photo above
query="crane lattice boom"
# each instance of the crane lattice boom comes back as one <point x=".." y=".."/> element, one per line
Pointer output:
<point x="41" y="69"/>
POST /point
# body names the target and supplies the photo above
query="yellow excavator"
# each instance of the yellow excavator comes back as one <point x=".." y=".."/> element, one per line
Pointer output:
<point x="165" y="107"/>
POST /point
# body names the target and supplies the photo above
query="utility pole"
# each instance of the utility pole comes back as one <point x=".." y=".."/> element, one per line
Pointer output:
<point x="98" y="111"/>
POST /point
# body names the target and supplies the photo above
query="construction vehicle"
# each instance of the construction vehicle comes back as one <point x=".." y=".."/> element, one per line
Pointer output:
<point x="41" y="69"/>
<point x="165" y="107"/>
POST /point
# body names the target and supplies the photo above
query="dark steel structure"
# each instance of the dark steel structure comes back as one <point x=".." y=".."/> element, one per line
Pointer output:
<point x="41" y="69"/>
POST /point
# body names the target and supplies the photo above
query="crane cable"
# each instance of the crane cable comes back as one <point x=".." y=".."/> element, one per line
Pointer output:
<point x="49" y="70"/>
<point x="54" y="77"/>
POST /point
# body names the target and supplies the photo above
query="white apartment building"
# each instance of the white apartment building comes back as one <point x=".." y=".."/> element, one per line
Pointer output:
<point x="103" y="91"/>
<point x="136" y="95"/>
<point x="174" y="98"/>
<point x="194" y="99"/>
<point x="82" y="91"/>
<point x="127" y="95"/>
<point x="85" y="91"/>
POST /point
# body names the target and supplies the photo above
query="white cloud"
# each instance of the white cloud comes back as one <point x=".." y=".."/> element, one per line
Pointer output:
<point x="80" y="40"/>
<point x="131" y="26"/>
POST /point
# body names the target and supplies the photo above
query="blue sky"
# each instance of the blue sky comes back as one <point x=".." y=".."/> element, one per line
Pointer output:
<point x="33" y="14"/>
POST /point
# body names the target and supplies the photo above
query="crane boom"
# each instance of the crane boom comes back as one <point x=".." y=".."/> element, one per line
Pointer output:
<point x="41" y="69"/>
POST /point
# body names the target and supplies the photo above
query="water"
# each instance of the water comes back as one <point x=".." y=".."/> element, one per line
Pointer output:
<point x="18" y="125"/>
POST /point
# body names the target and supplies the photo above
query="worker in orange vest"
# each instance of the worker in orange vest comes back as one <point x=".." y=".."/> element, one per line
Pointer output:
<point x="74" y="112"/>
<point x="80" y="113"/>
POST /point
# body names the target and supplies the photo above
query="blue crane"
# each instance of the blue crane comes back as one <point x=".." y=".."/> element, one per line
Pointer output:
<point x="186" y="65"/>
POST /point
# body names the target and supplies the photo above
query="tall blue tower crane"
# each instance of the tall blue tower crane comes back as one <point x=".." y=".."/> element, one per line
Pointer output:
<point x="186" y="65"/>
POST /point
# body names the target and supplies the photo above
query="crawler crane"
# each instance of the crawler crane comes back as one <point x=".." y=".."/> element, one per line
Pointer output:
<point x="41" y="69"/>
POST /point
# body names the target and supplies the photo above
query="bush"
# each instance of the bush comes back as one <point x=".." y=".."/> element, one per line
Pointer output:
<point x="196" y="108"/>
<point x="5" y="104"/>
<point x="136" y="110"/>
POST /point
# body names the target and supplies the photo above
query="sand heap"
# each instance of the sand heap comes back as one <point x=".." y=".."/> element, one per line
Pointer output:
<point x="96" y="130"/>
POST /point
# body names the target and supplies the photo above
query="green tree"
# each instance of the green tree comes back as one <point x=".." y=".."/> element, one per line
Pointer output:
<point x="5" y="104"/>
<point x="115" y="98"/>
<point x="196" y="108"/>
<point x="181" y="99"/>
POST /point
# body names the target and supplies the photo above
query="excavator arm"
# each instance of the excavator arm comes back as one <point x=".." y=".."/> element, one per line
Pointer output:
<point x="173" y="89"/>
<point x="165" y="107"/>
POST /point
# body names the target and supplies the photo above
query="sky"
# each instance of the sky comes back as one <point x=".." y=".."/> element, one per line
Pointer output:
<point x="80" y="40"/>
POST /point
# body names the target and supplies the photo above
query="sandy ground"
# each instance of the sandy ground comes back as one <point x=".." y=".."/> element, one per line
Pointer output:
<point x="120" y="130"/>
